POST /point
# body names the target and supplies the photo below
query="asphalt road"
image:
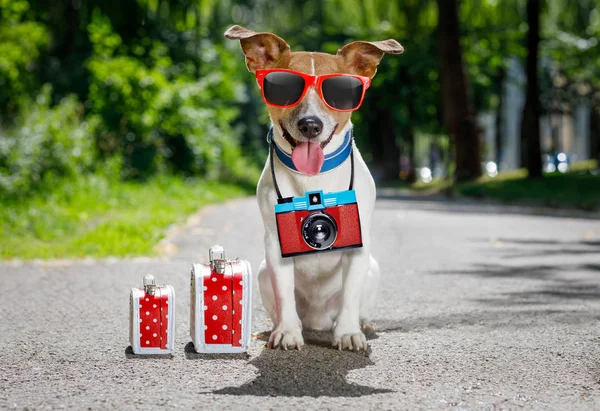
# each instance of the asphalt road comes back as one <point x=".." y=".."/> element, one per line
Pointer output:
<point x="480" y="308"/>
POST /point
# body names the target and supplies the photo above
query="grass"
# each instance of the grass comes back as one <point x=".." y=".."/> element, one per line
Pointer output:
<point x="96" y="217"/>
<point x="579" y="188"/>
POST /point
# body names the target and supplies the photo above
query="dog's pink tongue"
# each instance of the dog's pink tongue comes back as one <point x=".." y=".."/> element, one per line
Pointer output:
<point x="308" y="158"/>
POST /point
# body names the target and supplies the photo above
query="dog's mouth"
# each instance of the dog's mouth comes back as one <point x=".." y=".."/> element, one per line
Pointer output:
<point x="307" y="156"/>
<point x="293" y="142"/>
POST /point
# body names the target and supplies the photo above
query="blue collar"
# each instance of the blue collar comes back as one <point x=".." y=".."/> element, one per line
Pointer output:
<point x="332" y="160"/>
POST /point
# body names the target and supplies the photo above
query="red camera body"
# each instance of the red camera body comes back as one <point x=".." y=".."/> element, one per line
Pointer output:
<point x="342" y="220"/>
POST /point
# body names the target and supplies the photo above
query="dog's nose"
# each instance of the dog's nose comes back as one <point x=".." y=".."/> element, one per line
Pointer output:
<point x="310" y="127"/>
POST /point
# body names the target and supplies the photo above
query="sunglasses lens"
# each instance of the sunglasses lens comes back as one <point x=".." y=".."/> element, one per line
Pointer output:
<point x="342" y="92"/>
<point x="282" y="88"/>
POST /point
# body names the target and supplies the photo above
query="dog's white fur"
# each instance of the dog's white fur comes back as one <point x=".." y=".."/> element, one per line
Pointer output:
<point x="323" y="291"/>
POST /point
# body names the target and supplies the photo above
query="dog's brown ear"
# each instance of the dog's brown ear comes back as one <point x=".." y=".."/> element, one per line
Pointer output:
<point x="362" y="57"/>
<point x="262" y="50"/>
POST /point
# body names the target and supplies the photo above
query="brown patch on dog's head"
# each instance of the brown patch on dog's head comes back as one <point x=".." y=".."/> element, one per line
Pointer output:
<point x="266" y="50"/>
<point x="262" y="50"/>
<point x="362" y="57"/>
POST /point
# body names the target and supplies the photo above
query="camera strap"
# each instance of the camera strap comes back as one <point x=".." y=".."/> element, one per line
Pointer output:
<point x="272" y="155"/>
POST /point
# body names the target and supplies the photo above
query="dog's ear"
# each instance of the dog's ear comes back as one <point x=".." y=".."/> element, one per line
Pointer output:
<point x="262" y="50"/>
<point x="362" y="57"/>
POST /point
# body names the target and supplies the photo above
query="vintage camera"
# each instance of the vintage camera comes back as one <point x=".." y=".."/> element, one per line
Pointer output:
<point x="317" y="222"/>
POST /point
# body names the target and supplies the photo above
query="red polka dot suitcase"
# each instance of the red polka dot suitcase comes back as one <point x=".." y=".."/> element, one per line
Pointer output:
<point x="221" y="304"/>
<point x="152" y="318"/>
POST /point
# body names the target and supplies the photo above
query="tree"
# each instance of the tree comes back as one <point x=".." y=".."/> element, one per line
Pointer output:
<point x="570" y="30"/>
<point x="490" y="39"/>
<point x="456" y="106"/>
<point x="530" y="125"/>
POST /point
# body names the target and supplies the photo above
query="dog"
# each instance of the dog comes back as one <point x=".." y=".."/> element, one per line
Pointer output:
<point x="321" y="291"/>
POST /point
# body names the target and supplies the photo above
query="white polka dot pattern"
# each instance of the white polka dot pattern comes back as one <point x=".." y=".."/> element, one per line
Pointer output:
<point x="221" y="320"/>
<point x="152" y="308"/>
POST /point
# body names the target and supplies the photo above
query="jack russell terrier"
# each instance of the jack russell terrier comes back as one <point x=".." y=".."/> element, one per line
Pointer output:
<point x="310" y="98"/>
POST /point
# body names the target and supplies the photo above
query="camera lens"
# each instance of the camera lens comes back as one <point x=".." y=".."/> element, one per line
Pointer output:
<point x="319" y="230"/>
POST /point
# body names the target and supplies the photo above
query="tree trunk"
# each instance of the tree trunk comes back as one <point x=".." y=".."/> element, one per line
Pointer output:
<point x="595" y="135"/>
<point x="385" y="152"/>
<point x="409" y="141"/>
<point x="66" y="46"/>
<point x="458" y="114"/>
<point x="530" y="125"/>
<point x="391" y="151"/>
<point x="500" y="77"/>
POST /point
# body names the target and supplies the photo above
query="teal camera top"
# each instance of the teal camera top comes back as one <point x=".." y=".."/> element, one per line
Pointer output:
<point x="315" y="200"/>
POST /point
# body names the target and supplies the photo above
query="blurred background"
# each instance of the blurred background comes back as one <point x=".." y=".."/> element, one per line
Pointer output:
<point x="117" y="118"/>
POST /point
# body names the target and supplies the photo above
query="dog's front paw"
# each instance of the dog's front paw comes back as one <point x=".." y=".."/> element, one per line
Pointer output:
<point x="286" y="338"/>
<point x="350" y="341"/>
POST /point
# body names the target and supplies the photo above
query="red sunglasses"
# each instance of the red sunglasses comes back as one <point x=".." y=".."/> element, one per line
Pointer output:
<point x="283" y="88"/>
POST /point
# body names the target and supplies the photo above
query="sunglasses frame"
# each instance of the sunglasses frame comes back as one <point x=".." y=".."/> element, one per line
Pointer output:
<point x="310" y="81"/>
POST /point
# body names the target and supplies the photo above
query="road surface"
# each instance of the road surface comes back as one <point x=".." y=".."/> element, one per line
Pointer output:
<point x="481" y="307"/>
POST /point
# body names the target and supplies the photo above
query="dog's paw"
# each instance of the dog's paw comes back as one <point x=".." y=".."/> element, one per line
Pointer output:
<point x="367" y="327"/>
<point x="286" y="339"/>
<point x="351" y="341"/>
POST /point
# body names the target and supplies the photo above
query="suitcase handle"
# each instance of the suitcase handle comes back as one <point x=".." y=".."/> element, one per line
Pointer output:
<point x="216" y="255"/>
<point x="218" y="262"/>
<point x="150" y="284"/>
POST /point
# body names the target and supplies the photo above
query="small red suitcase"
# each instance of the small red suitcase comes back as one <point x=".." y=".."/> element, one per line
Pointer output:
<point x="152" y="318"/>
<point x="221" y="304"/>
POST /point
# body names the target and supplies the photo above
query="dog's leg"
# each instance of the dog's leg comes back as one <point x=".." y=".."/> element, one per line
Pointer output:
<point x="369" y="297"/>
<point x="288" y="327"/>
<point x="266" y="291"/>
<point x="347" y="333"/>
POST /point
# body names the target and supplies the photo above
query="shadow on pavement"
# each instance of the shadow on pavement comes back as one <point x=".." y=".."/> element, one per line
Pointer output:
<point x="318" y="370"/>
<point x="554" y="290"/>
<point x="190" y="354"/>
<point x="535" y="271"/>
<point x="131" y="356"/>
<point x="537" y="241"/>
<point x="492" y="319"/>
<point x="561" y="282"/>
<point x="522" y="247"/>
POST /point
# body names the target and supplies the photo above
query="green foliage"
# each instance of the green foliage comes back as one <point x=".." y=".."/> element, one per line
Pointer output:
<point x="13" y="10"/>
<point x="100" y="217"/>
<point x="46" y="144"/>
<point x="125" y="94"/>
<point x="571" y="32"/>
<point x="21" y="43"/>
<point x="105" y="42"/>
<point x="157" y="116"/>
<point x="493" y="33"/>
